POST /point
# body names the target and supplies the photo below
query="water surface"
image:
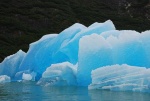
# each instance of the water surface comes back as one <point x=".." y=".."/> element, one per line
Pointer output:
<point x="29" y="91"/>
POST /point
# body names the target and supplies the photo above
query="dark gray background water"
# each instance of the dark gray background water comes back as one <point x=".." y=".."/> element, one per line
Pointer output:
<point x="29" y="91"/>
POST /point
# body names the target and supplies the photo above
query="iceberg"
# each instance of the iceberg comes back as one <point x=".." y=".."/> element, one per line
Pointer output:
<point x="85" y="56"/>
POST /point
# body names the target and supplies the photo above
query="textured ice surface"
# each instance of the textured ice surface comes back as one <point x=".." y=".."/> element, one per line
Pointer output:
<point x="59" y="74"/>
<point x="4" y="79"/>
<point x="11" y="64"/>
<point x="121" y="78"/>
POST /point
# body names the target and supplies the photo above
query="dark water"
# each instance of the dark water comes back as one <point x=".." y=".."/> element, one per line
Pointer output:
<point x="29" y="91"/>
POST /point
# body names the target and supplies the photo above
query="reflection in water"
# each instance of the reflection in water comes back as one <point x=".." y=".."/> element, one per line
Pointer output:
<point x="29" y="91"/>
<point x="105" y="95"/>
<point x="66" y="93"/>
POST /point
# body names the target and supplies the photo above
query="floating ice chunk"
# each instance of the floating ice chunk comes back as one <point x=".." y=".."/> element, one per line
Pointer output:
<point x="98" y="45"/>
<point x="59" y="74"/>
<point x="4" y="79"/>
<point x="121" y="78"/>
<point x="11" y="64"/>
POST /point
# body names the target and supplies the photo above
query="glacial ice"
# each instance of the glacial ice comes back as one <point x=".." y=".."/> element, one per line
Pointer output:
<point x="69" y="58"/>
<point x="121" y="78"/>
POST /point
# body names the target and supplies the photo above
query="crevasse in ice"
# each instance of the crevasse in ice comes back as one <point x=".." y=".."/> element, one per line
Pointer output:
<point x="69" y="58"/>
